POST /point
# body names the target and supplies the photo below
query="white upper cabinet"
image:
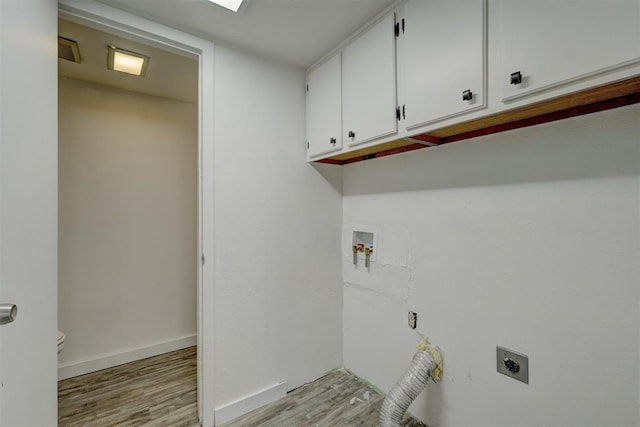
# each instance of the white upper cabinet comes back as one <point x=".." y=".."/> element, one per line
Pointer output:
<point x="324" y="108"/>
<point x="441" y="60"/>
<point x="549" y="44"/>
<point x="465" y="66"/>
<point x="369" y="84"/>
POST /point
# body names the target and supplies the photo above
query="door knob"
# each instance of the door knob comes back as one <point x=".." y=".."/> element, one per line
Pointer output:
<point x="8" y="313"/>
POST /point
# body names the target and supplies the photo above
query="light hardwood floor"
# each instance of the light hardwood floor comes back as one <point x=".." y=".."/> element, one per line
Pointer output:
<point x="335" y="400"/>
<point x="158" y="391"/>
<point x="161" y="391"/>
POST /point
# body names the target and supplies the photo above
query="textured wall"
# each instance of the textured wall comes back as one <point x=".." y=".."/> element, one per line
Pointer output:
<point x="527" y="239"/>
<point x="277" y="222"/>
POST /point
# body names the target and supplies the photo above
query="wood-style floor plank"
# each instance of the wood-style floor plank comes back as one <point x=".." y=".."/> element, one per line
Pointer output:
<point x="161" y="391"/>
<point x="158" y="391"/>
<point x="335" y="400"/>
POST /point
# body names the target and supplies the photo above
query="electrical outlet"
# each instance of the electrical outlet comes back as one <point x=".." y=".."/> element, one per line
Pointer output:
<point x="413" y="319"/>
<point x="512" y="364"/>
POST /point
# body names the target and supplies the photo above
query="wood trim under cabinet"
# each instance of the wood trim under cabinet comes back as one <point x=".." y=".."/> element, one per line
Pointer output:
<point x="612" y="95"/>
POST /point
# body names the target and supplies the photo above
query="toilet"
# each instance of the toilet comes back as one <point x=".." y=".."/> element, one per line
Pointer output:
<point x="61" y="338"/>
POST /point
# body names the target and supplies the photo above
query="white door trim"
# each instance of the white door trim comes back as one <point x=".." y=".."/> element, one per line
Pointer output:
<point x="97" y="15"/>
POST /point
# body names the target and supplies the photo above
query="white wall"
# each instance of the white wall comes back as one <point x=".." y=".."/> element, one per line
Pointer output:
<point x="278" y="288"/>
<point x="527" y="239"/>
<point x="127" y="224"/>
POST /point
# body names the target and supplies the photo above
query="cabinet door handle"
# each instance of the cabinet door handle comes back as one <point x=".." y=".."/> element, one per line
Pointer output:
<point x="516" y="78"/>
<point x="352" y="134"/>
<point x="332" y="140"/>
<point x="467" y="95"/>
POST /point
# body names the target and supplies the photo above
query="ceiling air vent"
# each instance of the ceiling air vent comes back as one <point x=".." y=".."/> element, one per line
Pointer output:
<point x="68" y="49"/>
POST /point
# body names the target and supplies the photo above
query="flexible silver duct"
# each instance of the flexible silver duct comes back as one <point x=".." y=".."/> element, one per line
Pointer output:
<point x="427" y="362"/>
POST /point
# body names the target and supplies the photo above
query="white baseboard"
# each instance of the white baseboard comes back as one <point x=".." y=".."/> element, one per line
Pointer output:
<point x="233" y="410"/>
<point x="73" y="369"/>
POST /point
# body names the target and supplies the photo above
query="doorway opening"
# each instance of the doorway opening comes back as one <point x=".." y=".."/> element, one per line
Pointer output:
<point x="148" y="191"/>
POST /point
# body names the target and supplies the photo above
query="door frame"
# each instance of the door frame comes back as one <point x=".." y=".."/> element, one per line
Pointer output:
<point x="103" y="17"/>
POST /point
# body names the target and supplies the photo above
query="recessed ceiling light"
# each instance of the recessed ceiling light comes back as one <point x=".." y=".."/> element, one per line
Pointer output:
<point x="232" y="5"/>
<point x="126" y="61"/>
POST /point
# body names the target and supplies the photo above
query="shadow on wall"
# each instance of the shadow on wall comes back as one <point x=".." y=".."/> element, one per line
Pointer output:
<point x="593" y="146"/>
<point x="332" y="173"/>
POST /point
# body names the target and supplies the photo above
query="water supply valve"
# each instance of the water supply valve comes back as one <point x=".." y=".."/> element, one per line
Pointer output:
<point x="367" y="255"/>
<point x="364" y="241"/>
<point x="357" y="248"/>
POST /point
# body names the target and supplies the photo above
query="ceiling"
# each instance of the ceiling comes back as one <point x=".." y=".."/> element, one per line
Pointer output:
<point x="298" y="32"/>
<point x="168" y="75"/>
<point x="295" y="31"/>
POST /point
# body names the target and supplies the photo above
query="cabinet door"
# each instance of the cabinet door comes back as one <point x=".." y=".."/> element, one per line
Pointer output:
<point x="554" y="43"/>
<point x="324" y="108"/>
<point x="369" y="89"/>
<point x="442" y="58"/>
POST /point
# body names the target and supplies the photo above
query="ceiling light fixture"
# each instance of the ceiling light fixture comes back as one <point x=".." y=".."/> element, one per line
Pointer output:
<point x="232" y="5"/>
<point x="126" y="61"/>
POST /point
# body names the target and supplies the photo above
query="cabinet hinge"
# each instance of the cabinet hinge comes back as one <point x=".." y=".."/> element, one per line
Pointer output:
<point x="202" y="259"/>
<point x="307" y="88"/>
<point x="307" y="145"/>
<point x="398" y="113"/>
<point x="402" y="25"/>
<point x="397" y="29"/>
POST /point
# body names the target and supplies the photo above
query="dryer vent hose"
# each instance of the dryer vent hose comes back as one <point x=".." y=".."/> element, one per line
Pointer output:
<point x="427" y="362"/>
